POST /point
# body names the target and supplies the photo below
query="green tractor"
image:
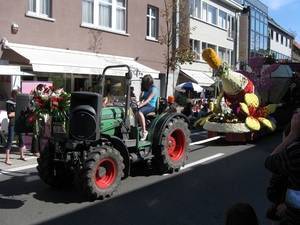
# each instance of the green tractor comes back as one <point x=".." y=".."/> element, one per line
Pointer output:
<point x="100" y="144"/>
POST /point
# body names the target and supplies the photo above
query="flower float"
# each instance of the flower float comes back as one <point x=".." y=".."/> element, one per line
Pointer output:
<point x="235" y="85"/>
<point x="240" y="94"/>
<point x="228" y="122"/>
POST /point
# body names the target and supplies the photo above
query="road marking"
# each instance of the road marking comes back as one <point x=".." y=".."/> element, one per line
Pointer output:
<point x="198" y="162"/>
<point x="197" y="133"/>
<point x="207" y="140"/>
<point x="17" y="169"/>
<point x="202" y="160"/>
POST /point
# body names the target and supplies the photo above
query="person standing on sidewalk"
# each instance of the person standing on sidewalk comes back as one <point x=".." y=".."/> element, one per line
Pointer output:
<point x="10" y="108"/>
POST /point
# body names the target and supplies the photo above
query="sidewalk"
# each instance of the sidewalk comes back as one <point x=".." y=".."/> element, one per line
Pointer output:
<point x="15" y="158"/>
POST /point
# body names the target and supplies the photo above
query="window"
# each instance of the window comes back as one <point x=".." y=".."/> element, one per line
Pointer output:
<point x="231" y="26"/>
<point x="152" y="22"/>
<point x="87" y="11"/>
<point x="204" y="11"/>
<point x="222" y="19"/>
<point x="195" y="9"/>
<point x="222" y="54"/>
<point x="107" y="14"/>
<point x="195" y="45"/>
<point x="40" y="7"/>
<point x="211" y="46"/>
<point x="212" y="15"/>
<point x="209" y="13"/>
<point x="272" y="34"/>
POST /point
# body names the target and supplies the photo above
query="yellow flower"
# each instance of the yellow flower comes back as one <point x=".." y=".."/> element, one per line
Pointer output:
<point x="256" y="115"/>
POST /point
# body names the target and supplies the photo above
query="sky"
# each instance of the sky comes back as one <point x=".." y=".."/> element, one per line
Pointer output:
<point x="286" y="13"/>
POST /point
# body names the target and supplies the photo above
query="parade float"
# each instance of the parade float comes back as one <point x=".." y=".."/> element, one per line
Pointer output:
<point x="251" y="105"/>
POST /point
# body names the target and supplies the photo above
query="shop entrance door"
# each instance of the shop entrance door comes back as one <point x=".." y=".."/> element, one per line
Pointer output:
<point x="81" y="84"/>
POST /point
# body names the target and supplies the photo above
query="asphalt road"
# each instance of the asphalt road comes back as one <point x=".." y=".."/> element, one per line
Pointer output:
<point x="217" y="174"/>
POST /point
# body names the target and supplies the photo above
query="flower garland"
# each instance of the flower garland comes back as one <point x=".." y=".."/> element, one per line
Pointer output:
<point x="224" y="117"/>
<point x="226" y="127"/>
<point x="224" y="122"/>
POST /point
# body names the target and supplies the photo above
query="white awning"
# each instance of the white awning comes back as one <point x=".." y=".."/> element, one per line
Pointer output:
<point x="55" y="60"/>
<point x="202" y="78"/>
<point x="13" y="71"/>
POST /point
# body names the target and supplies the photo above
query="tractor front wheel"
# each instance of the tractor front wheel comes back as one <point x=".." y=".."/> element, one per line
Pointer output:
<point x="101" y="173"/>
<point x="55" y="173"/>
<point x="173" y="150"/>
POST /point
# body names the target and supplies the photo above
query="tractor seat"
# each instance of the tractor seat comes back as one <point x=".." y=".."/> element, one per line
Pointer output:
<point x="153" y="114"/>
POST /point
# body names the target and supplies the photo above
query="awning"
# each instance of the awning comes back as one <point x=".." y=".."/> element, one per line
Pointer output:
<point x="13" y="70"/>
<point x="55" y="60"/>
<point x="202" y="78"/>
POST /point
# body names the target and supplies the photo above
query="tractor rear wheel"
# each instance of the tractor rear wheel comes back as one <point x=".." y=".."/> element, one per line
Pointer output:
<point x="101" y="173"/>
<point x="174" y="147"/>
<point x="53" y="173"/>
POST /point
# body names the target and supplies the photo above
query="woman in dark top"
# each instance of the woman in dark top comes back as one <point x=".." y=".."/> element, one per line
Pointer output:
<point x="276" y="190"/>
<point x="10" y="108"/>
<point x="285" y="161"/>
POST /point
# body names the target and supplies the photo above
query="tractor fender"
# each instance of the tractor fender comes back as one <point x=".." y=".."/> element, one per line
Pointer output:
<point x="122" y="148"/>
<point x="161" y="124"/>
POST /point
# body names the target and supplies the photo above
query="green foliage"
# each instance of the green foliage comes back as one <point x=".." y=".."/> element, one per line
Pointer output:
<point x="181" y="99"/>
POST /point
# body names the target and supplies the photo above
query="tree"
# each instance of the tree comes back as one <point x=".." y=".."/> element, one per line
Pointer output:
<point x="175" y="35"/>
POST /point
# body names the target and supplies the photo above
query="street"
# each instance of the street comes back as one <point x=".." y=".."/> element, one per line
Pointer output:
<point x="217" y="174"/>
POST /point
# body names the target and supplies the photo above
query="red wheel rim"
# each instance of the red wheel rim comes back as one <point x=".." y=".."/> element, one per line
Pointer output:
<point x="105" y="173"/>
<point x="176" y="145"/>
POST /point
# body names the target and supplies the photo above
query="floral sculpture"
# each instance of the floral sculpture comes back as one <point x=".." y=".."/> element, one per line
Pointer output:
<point x="240" y="94"/>
<point x="235" y="85"/>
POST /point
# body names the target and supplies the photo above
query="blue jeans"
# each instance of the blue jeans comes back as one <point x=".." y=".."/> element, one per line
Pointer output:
<point x="11" y="134"/>
<point x="147" y="109"/>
